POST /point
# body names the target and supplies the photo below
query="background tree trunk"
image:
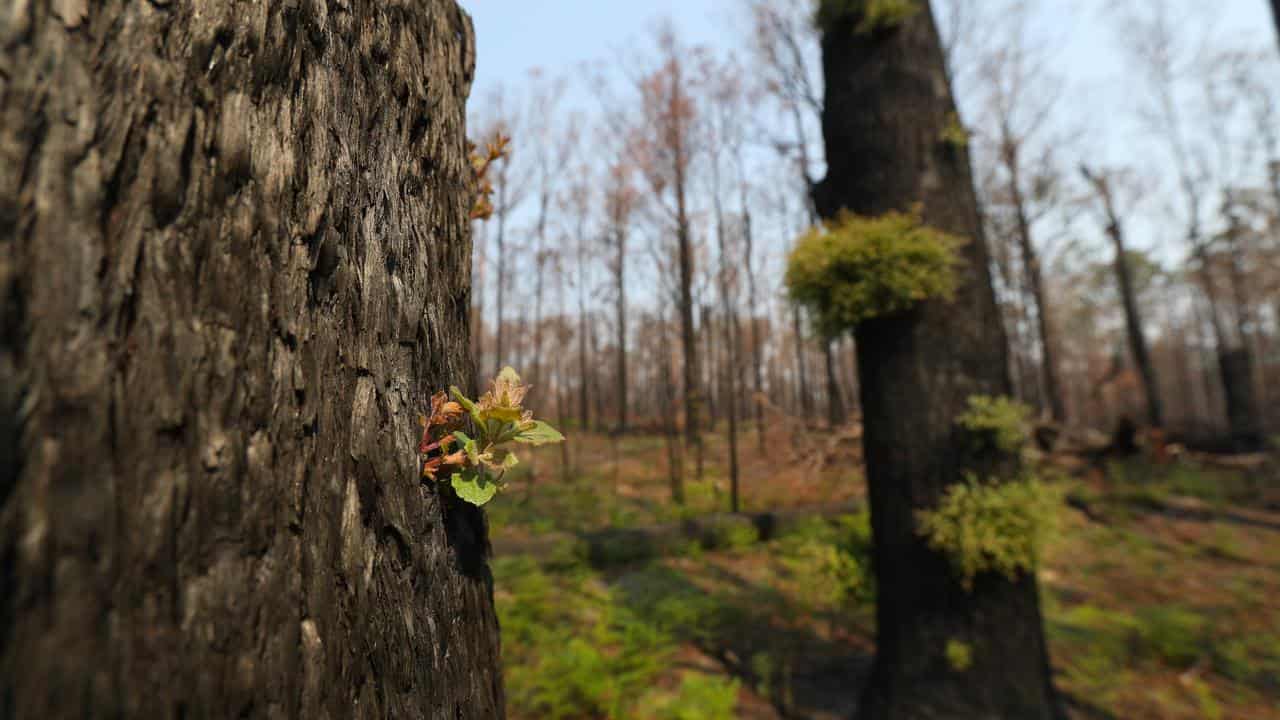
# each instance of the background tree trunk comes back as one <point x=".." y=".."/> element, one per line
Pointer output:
<point x="1035" y="281"/>
<point x="1275" y="12"/>
<point x="1132" y="318"/>
<point x="835" y="400"/>
<point x="887" y="103"/>
<point x="235" y="260"/>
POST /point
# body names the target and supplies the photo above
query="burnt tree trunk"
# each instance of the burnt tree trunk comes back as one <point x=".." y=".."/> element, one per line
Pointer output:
<point x="1128" y="298"/>
<point x="887" y="103"/>
<point x="620" y="308"/>
<point x="757" y="348"/>
<point x="688" y="333"/>
<point x="1275" y="13"/>
<point x="803" y="397"/>
<point x="1035" y="282"/>
<point x="1235" y="369"/>
<point x="235" y="260"/>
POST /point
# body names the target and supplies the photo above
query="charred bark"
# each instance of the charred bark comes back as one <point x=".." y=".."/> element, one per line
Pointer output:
<point x="887" y="103"/>
<point x="235" y="260"/>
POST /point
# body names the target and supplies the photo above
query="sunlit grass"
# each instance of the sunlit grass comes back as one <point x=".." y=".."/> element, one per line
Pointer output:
<point x="1149" y="613"/>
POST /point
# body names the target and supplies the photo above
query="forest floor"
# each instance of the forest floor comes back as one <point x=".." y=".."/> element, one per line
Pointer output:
<point x="1159" y="589"/>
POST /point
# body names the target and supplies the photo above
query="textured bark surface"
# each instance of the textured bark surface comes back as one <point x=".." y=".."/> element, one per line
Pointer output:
<point x="887" y="104"/>
<point x="234" y="259"/>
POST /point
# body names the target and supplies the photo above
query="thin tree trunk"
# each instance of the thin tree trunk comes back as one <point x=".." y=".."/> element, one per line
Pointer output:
<point x="500" y="281"/>
<point x="620" y="306"/>
<point x="1132" y="317"/>
<point x="1234" y="370"/>
<point x="477" y="306"/>
<point x="675" y="454"/>
<point x="584" y="372"/>
<point x="708" y="380"/>
<point x="596" y="396"/>
<point x="757" y="342"/>
<point x="538" y="375"/>
<point x="886" y="104"/>
<point x="835" y="401"/>
<point x="688" y="336"/>
<point x="730" y="365"/>
<point x="540" y="257"/>
<point x="757" y="349"/>
<point x="1275" y="14"/>
<point x="1031" y="261"/>
<point x="851" y="377"/>
<point x="218" y="331"/>
<point x="805" y="398"/>
<point x="1249" y="434"/>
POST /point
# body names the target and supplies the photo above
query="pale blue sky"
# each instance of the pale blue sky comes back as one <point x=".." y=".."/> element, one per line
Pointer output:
<point x="1099" y="97"/>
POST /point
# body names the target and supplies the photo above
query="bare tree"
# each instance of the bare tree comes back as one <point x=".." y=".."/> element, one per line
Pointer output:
<point x="1020" y="97"/>
<point x="1153" y="42"/>
<point x="665" y="148"/>
<point x="1132" y="318"/>
<point x="786" y="43"/>
<point x="726" y="107"/>
<point x="552" y="140"/>
<point x="509" y="176"/>
<point x="620" y="201"/>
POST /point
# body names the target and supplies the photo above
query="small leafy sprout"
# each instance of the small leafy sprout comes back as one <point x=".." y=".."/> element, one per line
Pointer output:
<point x="481" y="162"/>
<point x="954" y="132"/>
<point x="477" y="464"/>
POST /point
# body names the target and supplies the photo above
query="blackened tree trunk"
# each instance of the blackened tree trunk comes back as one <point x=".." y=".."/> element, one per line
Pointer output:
<point x="688" y="334"/>
<point x="1128" y="298"/>
<point x="620" y="308"/>
<point x="804" y="397"/>
<point x="1275" y="13"/>
<point x="1235" y="367"/>
<point x="887" y="104"/>
<point x="234" y="262"/>
<point x="757" y="346"/>
<point x="675" y="454"/>
<point x="1035" y="282"/>
<point x="1237" y="363"/>
<point x="729" y="367"/>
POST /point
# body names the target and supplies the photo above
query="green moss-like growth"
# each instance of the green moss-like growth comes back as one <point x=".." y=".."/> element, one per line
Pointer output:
<point x="959" y="655"/>
<point x="998" y="421"/>
<point x="856" y="268"/>
<point x="872" y="15"/>
<point x="954" y="132"/>
<point x="992" y="526"/>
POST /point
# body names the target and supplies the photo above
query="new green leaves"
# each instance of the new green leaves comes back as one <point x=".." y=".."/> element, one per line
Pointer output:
<point x="474" y="486"/>
<point x="538" y="433"/>
<point x="496" y="420"/>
